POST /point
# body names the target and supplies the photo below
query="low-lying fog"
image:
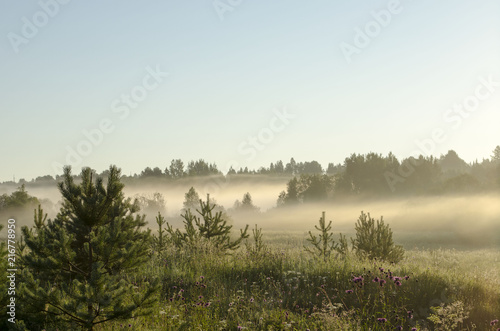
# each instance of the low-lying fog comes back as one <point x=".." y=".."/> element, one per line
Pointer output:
<point x="434" y="221"/>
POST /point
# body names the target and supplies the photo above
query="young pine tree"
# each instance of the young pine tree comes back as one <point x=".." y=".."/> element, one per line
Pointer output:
<point x="374" y="240"/>
<point x="325" y="245"/>
<point x="210" y="227"/>
<point x="160" y="240"/>
<point x="76" y="266"/>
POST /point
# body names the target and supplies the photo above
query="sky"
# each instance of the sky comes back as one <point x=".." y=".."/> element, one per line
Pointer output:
<point x="243" y="83"/>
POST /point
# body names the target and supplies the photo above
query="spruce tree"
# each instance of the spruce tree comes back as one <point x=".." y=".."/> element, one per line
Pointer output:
<point x="76" y="268"/>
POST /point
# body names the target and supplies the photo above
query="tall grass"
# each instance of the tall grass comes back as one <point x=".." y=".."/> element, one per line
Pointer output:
<point x="283" y="288"/>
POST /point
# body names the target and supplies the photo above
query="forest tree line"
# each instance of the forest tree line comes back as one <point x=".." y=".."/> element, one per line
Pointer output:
<point x="359" y="174"/>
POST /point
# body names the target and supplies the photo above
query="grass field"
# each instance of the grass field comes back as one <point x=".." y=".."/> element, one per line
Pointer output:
<point x="284" y="288"/>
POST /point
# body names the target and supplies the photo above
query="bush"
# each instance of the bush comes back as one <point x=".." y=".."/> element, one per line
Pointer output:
<point x="209" y="228"/>
<point x="375" y="241"/>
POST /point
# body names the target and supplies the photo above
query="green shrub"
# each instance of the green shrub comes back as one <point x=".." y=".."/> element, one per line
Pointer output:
<point x="449" y="317"/>
<point x="210" y="227"/>
<point x="374" y="241"/>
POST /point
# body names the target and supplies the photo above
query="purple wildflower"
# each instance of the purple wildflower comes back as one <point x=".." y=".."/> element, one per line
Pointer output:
<point x="357" y="279"/>
<point x="349" y="291"/>
<point x="382" y="320"/>
<point x="493" y="322"/>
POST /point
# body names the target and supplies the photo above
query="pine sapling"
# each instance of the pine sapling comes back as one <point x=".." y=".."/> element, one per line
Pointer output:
<point x="258" y="244"/>
<point x="324" y="244"/>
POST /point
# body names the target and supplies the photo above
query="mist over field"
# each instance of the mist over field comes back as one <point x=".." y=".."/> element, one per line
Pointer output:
<point x="452" y="221"/>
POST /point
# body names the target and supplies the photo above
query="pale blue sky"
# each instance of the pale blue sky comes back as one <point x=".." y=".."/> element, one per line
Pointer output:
<point x="226" y="78"/>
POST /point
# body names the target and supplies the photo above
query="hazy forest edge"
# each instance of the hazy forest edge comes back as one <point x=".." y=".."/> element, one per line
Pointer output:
<point x="369" y="174"/>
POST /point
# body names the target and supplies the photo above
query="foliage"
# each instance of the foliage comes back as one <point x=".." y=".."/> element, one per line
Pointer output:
<point x="18" y="199"/>
<point x="210" y="227"/>
<point x="452" y="164"/>
<point x="280" y="202"/>
<point x="176" y="169"/>
<point x="259" y="245"/>
<point x="160" y="240"/>
<point x="292" y="192"/>
<point x="284" y="289"/>
<point x="201" y="168"/>
<point x="306" y="188"/>
<point x="461" y="183"/>
<point x="39" y="217"/>
<point x="449" y="317"/>
<point x="246" y="204"/>
<point x="374" y="241"/>
<point x="150" y="204"/>
<point x="379" y="299"/>
<point x="325" y="245"/>
<point x="314" y="188"/>
<point x="75" y="273"/>
<point x="496" y="154"/>
<point x="148" y="172"/>
<point x="191" y="199"/>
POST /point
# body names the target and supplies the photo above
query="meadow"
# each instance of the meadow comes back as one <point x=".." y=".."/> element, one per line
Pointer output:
<point x="448" y="279"/>
<point x="282" y="287"/>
